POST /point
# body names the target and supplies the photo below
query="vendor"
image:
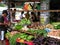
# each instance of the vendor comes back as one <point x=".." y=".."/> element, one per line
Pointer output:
<point x="38" y="18"/>
<point x="35" y="19"/>
<point x="27" y="15"/>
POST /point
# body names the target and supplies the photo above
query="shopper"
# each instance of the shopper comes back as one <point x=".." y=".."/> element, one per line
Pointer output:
<point x="27" y="15"/>
<point x="12" y="5"/>
<point x="3" y="25"/>
<point x="11" y="17"/>
<point x="13" y="14"/>
<point x="8" y="16"/>
<point x="22" y="15"/>
<point x="9" y="11"/>
<point x="33" y="17"/>
<point x="38" y="18"/>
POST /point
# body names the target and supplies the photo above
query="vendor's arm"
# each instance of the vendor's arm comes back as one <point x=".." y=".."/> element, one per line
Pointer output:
<point x="2" y="23"/>
<point x="7" y="23"/>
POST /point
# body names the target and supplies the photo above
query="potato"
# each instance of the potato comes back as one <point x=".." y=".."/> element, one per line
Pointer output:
<point x="50" y="26"/>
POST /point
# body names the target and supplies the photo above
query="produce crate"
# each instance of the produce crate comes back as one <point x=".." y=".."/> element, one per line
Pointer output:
<point x="54" y="34"/>
<point x="17" y="43"/>
<point x="24" y="43"/>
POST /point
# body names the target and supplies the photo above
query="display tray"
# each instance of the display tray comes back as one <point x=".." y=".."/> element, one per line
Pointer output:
<point x="54" y="34"/>
<point x="25" y="32"/>
<point x="56" y="37"/>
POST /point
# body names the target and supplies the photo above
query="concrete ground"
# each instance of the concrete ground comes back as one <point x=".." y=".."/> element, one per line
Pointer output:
<point x="3" y="43"/>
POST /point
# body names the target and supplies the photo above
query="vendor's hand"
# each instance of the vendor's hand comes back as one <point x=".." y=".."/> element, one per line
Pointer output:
<point x="0" y="23"/>
<point x="5" y="23"/>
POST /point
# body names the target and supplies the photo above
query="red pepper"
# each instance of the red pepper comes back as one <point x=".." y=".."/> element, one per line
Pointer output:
<point x="29" y="43"/>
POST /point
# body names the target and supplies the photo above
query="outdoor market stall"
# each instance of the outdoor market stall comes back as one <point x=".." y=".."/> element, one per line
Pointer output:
<point x="23" y="33"/>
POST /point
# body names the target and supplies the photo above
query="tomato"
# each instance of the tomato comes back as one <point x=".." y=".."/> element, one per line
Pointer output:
<point x="18" y="40"/>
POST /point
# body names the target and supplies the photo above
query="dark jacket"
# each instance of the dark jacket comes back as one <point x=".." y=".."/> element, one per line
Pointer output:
<point x="2" y="27"/>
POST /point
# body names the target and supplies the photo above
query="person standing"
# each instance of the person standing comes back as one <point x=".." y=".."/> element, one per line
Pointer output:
<point x="3" y="25"/>
<point x="9" y="15"/>
<point x="13" y="14"/>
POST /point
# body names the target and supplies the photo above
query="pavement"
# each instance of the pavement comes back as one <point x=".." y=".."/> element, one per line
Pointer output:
<point x="1" y="43"/>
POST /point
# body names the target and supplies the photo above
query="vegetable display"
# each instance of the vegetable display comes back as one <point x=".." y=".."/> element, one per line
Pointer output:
<point x="24" y="33"/>
<point x="57" y="27"/>
<point x="22" y="36"/>
<point x="18" y="27"/>
<point x="21" y="24"/>
<point x="38" y="32"/>
<point x="24" y="21"/>
<point x="46" y="41"/>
